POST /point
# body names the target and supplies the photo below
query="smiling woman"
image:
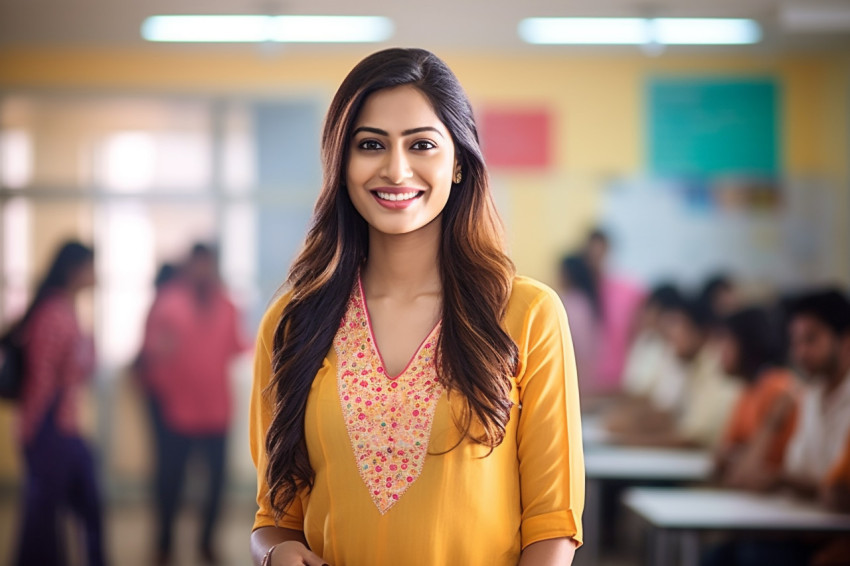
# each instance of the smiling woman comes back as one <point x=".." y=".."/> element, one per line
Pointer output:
<point x="408" y="169"/>
<point x="414" y="400"/>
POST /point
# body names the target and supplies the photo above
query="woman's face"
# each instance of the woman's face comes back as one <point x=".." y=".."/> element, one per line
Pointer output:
<point x="401" y="162"/>
<point x="683" y="335"/>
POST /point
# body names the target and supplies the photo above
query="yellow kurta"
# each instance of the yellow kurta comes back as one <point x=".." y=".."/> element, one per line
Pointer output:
<point x="452" y="508"/>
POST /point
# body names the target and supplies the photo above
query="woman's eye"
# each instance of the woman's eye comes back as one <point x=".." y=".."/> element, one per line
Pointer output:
<point x="369" y="145"/>
<point x="423" y="144"/>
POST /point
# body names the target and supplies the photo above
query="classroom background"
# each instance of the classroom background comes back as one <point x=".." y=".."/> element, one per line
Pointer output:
<point x="693" y="159"/>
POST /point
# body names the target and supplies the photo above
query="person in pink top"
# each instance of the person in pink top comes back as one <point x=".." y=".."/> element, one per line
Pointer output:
<point x="59" y="465"/>
<point x="580" y="296"/>
<point x="620" y="300"/>
<point x="192" y="335"/>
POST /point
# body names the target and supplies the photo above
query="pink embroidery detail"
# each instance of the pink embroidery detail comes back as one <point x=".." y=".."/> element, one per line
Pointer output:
<point x="389" y="427"/>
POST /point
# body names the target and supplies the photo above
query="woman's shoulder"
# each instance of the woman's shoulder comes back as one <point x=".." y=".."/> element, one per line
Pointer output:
<point x="527" y="292"/>
<point x="531" y="300"/>
<point x="55" y="310"/>
<point x="271" y="318"/>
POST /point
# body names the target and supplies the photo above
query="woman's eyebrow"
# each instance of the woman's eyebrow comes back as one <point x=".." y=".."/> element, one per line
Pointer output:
<point x="409" y="132"/>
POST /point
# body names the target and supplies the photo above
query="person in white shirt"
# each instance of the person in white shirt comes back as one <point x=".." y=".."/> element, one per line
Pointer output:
<point x="650" y="353"/>
<point x="819" y="332"/>
<point x="692" y="401"/>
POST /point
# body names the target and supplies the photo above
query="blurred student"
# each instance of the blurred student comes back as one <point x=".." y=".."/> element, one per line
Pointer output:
<point x="835" y="494"/>
<point x="819" y="331"/>
<point x="707" y="394"/>
<point x="764" y="418"/>
<point x="817" y="460"/>
<point x="584" y="309"/>
<point x="141" y="370"/>
<point x="59" y="465"/>
<point x="191" y="337"/>
<point x="835" y="491"/>
<point x="720" y="295"/>
<point x="650" y="350"/>
<point x="620" y="300"/>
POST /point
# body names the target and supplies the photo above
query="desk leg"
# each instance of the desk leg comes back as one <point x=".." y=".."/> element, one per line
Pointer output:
<point x="689" y="548"/>
<point x="592" y="522"/>
<point x="661" y="547"/>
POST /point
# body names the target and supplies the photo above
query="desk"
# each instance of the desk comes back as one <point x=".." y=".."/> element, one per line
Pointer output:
<point x="633" y="465"/>
<point x="680" y="514"/>
<point x="593" y="431"/>
<point x="629" y="463"/>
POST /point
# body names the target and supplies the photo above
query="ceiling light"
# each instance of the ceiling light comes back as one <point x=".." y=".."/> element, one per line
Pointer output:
<point x="258" y="28"/>
<point x="639" y="31"/>
<point x="705" y="31"/>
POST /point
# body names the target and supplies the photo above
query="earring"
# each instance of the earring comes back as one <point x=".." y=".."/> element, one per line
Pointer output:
<point x="458" y="177"/>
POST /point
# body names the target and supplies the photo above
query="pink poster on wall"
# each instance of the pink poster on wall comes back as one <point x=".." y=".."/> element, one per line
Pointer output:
<point x="514" y="138"/>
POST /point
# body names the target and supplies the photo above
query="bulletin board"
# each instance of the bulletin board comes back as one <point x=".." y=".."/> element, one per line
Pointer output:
<point x="516" y="138"/>
<point x="705" y="127"/>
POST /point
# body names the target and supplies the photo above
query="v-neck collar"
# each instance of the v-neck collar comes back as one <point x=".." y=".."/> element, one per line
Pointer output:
<point x="377" y="349"/>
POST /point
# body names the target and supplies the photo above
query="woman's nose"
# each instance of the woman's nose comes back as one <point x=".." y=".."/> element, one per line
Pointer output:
<point x="396" y="167"/>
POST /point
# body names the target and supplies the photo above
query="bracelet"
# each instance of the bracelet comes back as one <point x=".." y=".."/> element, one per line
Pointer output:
<point x="267" y="559"/>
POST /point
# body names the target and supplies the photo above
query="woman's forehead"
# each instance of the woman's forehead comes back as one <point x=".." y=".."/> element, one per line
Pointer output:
<point x="398" y="109"/>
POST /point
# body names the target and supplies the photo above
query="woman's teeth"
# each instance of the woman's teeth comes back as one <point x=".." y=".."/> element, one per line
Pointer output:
<point x="397" y="196"/>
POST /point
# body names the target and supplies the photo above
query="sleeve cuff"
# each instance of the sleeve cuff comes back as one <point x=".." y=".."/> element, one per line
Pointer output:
<point x="558" y="524"/>
<point x="287" y="522"/>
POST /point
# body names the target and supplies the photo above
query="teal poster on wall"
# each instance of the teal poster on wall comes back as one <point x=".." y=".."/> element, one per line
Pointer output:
<point x="706" y="127"/>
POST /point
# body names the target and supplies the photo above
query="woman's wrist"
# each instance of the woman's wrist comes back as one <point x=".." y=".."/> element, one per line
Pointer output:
<point x="267" y="559"/>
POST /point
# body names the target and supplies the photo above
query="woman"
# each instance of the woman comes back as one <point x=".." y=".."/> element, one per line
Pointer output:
<point x="581" y="301"/>
<point x="60" y="469"/>
<point x="385" y="421"/>
<point x="764" y="418"/>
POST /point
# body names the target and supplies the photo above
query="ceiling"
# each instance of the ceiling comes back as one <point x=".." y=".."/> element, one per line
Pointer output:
<point x="474" y="25"/>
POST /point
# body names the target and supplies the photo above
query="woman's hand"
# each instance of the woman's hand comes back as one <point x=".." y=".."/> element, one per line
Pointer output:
<point x="294" y="553"/>
<point x="289" y="548"/>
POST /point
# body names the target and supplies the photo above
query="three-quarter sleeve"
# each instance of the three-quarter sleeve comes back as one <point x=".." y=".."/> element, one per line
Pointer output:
<point x="551" y="462"/>
<point x="260" y="420"/>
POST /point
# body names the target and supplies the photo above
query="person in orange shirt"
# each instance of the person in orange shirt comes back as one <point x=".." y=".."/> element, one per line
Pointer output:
<point x="764" y="418"/>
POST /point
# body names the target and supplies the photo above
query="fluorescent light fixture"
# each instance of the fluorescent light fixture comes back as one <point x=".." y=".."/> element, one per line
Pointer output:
<point x="705" y="31"/>
<point x="639" y="31"/>
<point x="256" y="28"/>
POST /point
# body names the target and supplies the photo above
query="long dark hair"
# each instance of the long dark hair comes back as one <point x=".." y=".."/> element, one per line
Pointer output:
<point x="69" y="258"/>
<point x="575" y="269"/>
<point x="475" y="355"/>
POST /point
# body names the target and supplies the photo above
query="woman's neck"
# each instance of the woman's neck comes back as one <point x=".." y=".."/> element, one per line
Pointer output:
<point x="403" y="265"/>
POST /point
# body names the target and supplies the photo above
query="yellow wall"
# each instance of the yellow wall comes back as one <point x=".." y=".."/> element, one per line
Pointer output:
<point x="597" y="102"/>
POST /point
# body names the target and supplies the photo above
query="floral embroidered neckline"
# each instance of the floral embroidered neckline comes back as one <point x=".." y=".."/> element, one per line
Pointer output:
<point x="388" y="419"/>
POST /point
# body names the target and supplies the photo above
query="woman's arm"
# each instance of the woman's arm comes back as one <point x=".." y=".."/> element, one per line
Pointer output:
<point x="552" y="552"/>
<point x="290" y="548"/>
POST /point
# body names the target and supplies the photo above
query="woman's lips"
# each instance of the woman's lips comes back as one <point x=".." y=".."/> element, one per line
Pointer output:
<point x="397" y="199"/>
